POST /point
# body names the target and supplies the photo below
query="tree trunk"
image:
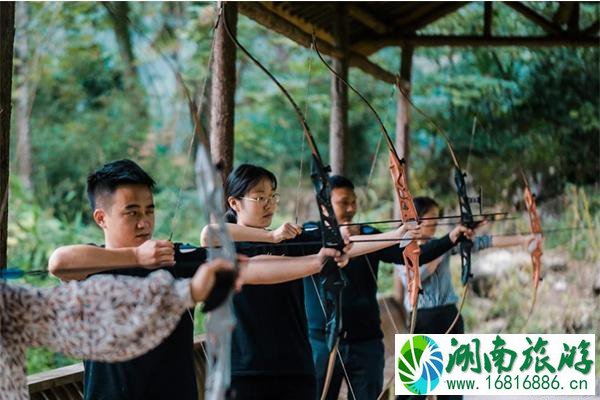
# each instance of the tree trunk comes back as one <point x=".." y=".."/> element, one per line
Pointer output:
<point x="223" y="94"/>
<point x="24" y="96"/>
<point x="7" y="33"/>
<point x="118" y="12"/>
<point x="338" y="123"/>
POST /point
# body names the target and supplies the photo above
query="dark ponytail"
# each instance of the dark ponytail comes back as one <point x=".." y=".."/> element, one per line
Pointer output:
<point x="240" y="181"/>
<point x="425" y="204"/>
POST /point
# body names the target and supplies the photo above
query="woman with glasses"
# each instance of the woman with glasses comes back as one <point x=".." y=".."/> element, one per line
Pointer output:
<point x="271" y="353"/>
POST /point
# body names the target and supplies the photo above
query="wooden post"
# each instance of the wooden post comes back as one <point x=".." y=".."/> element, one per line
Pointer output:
<point x="403" y="112"/>
<point x="223" y="94"/>
<point x="487" y="19"/>
<point x="24" y="97"/>
<point x="7" y="35"/>
<point x="338" y="122"/>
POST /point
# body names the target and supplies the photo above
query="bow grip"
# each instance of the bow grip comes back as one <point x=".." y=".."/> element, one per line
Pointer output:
<point x="223" y="285"/>
<point x="465" y="258"/>
<point x="332" y="284"/>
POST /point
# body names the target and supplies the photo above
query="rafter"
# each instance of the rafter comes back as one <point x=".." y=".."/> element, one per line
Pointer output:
<point x="259" y="13"/>
<point x="574" y="19"/>
<point x="302" y="23"/>
<point x="371" y="46"/>
<point x="561" y="16"/>
<point x="548" y="26"/>
<point x="420" y="10"/>
<point x="592" y="29"/>
<point x="438" y="13"/>
<point x="487" y="18"/>
<point x="367" y="19"/>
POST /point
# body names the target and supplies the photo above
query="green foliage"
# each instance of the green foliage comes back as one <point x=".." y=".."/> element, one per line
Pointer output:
<point x="40" y="360"/>
<point x="536" y="109"/>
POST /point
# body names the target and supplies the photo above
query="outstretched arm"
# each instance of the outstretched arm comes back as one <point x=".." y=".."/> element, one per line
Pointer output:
<point x="77" y="262"/>
<point x="107" y="318"/>
<point x="240" y="233"/>
<point x="364" y="244"/>
<point x="265" y="269"/>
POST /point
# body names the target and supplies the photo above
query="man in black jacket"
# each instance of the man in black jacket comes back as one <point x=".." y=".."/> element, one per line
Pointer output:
<point x="361" y="344"/>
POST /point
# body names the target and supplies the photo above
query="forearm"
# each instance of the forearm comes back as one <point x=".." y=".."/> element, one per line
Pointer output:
<point x="265" y="270"/>
<point x="104" y="318"/>
<point x="434" y="249"/>
<point x="77" y="262"/>
<point x="508" y="241"/>
<point x="238" y="233"/>
<point x="364" y="244"/>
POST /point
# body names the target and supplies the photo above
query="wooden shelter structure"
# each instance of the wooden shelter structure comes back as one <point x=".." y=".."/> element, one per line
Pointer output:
<point x="349" y="32"/>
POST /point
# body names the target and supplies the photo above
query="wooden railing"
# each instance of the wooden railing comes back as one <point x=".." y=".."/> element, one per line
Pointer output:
<point x="66" y="383"/>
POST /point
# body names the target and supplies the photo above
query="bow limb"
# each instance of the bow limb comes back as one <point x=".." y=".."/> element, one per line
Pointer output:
<point x="536" y="229"/>
<point x="220" y="320"/>
<point x="466" y="214"/>
<point x="407" y="209"/>
<point x="332" y="279"/>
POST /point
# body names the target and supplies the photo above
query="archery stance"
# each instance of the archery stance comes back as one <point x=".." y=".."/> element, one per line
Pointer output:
<point x="271" y="355"/>
<point x="361" y="346"/>
<point x="104" y="318"/>
<point x="120" y="194"/>
<point x="437" y="304"/>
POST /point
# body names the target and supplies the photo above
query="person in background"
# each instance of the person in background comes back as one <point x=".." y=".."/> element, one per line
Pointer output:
<point x="437" y="303"/>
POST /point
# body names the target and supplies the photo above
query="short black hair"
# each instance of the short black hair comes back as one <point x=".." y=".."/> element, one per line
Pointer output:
<point x="424" y="204"/>
<point x="114" y="174"/>
<point x="338" y="181"/>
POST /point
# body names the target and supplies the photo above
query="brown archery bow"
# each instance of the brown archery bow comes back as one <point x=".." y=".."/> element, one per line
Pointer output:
<point x="408" y="212"/>
<point x="536" y="229"/>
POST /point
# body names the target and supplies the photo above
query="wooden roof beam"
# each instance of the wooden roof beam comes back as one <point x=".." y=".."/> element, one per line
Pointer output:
<point x="299" y="22"/>
<point x="548" y="26"/>
<point x="573" y="27"/>
<point x="367" y="19"/>
<point x="259" y="13"/>
<point x="487" y="18"/>
<point x="416" y="12"/>
<point x="371" y="46"/>
<point x="439" y="13"/>
<point x="561" y="16"/>
<point x="592" y="29"/>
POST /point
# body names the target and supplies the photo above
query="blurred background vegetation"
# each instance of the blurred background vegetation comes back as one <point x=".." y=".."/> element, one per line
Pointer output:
<point x="90" y="87"/>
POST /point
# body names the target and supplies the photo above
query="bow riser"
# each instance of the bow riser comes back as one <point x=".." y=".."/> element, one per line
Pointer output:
<point x="413" y="279"/>
<point x="221" y="321"/>
<point x="536" y="229"/>
<point x="408" y="214"/>
<point x="466" y="219"/>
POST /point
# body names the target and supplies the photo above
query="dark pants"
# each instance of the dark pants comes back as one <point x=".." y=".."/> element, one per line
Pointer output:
<point x="437" y="320"/>
<point x="363" y="361"/>
<point x="297" y="387"/>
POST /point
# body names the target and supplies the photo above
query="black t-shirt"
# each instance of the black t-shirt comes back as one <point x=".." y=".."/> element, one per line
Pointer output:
<point x="360" y="309"/>
<point x="167" y="371"/>
<point x="270" y="337"/>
